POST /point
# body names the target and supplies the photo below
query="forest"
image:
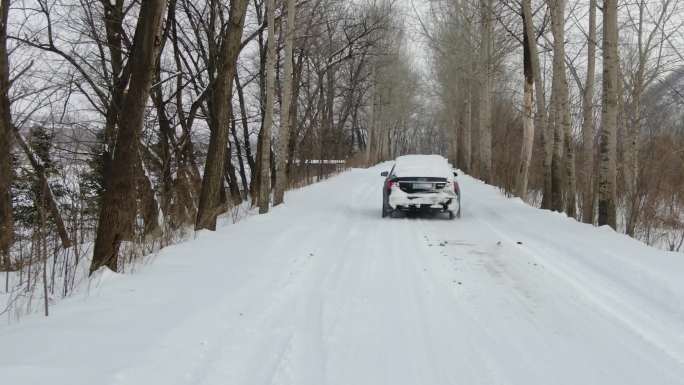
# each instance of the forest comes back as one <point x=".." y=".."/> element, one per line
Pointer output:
<point x="128" y="125"/>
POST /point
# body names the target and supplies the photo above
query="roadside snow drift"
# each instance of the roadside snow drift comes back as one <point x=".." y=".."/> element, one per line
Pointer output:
<point x="324" y="291"/>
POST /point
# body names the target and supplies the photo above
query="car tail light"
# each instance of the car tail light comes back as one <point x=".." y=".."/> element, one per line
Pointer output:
<point x="390" y="183"/>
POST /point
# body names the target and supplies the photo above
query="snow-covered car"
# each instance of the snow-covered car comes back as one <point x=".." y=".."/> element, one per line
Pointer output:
<point x="421" y="183"/>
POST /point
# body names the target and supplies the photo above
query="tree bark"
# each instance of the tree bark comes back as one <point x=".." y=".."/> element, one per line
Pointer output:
<point x="528" y="122"/>
<point x="284" y="134"/>
<point x="570" y="182"/>
<point x="212" y="180"/>
<point x="241" y="162"/>
<point x="467" y="117"/>
<point x="294" y="106"/>
<point x="485" y="120"/>
<point x="608" y="140"/>
<point x="118" y="209"/>
<point x="466" y="128"/>
<point x="556" y="149"/>
<point x="265" y="156"/>
<point x="6" y="220"/>
<point x="542" y="125"/>
<point x="231" y="179"/>
<point x="563" y="164"/>
<point x="374" y="111"/>
<point x="588" y="121"/>
<point x="245" y="127"/>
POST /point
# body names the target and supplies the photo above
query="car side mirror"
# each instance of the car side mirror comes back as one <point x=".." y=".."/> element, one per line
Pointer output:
<point x="384" y="173"/>
<point x="455" y="173"/>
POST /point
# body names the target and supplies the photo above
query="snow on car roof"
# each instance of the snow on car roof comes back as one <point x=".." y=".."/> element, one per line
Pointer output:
<point x="423" y="166"/>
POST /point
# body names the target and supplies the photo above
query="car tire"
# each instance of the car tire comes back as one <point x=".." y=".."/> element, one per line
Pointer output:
<point x="386" y="211"/>
<point x="451" y="215"/>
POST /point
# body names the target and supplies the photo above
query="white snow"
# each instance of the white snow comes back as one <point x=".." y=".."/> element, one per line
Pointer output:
<point x="423" y="166"/>
<point x="325" y="291"/>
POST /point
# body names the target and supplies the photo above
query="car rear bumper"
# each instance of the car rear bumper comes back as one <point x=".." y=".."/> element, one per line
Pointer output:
<point x="399" y="200"/>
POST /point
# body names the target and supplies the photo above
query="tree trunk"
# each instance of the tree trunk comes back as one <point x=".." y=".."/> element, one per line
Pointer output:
<point x="528" y="122"/>
<point x="118" y="210"/>
<point x="563" y="154"/>
<point x="467" y="117"/>
<point x="608" y="140"/>
<point x="556" y="149"/>
<point x="466" y="127"/>
<point x="631" y="144"/>
<point x="212" y="180"/>
<point x="148" y="205"/>
<point x="6" y="220"/>
<point x="265" y="156"/>
<point x="245" y="127"/>
<point x="542" y="124"/>
<point x="284" y="134"/>
<point x="588" y="122"/>
<point x="485" y="120"/>
<point x="294" y="127"/>
<point x="570" y="185"/>
<point x="231" y="179"/>
<point x="453" y="138"/>
<point x="374" y="110"/>
<point x="241" y="162"/>
<point x="44" y="186"/>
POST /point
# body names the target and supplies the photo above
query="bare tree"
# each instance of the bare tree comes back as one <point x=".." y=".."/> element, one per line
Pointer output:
<point x="118" y="210"/>
<point x="212" y="181"/>
<point x="608" y="141"/>
<point x="6" y="220"/>
<point x="485" y="90"/>
<point x="265" y="156"/>
<point x="529" y="49"/>
<point x="588" y="121"/>
<point x="563" y="152"/>
<point x="645" y="63"/>
<point x="284" y="133"/>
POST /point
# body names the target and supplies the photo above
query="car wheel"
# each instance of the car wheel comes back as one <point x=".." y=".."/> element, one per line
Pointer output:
<point x="387" y="211"/>
<point x="451" y="214"/>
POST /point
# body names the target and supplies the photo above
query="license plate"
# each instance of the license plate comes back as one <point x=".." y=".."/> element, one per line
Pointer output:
<point x="422" y="186"/>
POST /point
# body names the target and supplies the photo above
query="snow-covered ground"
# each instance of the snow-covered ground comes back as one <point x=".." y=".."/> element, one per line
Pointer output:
<point x="324" y="291"/>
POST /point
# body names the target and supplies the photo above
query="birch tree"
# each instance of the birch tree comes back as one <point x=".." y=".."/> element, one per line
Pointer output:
<point x="541" y="120"/>
<point x="608" y="140"/>
<point x="587" y="163"/>
<point x="529" y="48"/>
<point x="465" y="33"/>
<point x="563" y="163"/>
<point x="485" y="91"/>
<point x="645" y="63"/>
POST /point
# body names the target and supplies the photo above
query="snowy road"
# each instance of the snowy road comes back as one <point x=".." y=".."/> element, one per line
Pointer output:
<point x="324" y="291"/>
